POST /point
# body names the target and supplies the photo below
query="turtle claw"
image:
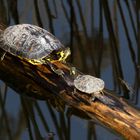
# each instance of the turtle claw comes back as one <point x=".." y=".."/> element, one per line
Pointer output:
<point x="73" y="71"/>
<point x="58" y="72"/>
<point x="2" y="56"/>
<point x="92" y="98"/>
<point x="55" y="70"/>
<point x="78" y="98"/>
<point x="75" y="96"/>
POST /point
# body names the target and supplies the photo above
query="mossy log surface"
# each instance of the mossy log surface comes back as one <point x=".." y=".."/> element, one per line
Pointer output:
<point x="40" y="82"/>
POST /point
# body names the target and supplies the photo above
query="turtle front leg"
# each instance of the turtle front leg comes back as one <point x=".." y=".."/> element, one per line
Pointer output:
<point x="97" y="95"/>
<point x="2" y="55"/>
<point x="92" y="99"/>
<point x="55" y="70"/>
<point x="76" y="96"/>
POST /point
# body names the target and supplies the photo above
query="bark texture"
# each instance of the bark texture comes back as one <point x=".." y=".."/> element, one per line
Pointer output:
<point x="41" y="83"/>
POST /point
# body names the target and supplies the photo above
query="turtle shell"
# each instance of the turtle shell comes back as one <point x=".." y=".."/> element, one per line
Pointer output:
<point x="88" y="84"/>
<point x="29" y="41"/>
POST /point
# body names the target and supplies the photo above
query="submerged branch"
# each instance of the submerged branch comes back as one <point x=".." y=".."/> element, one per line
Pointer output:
<point x="41" y="83"/>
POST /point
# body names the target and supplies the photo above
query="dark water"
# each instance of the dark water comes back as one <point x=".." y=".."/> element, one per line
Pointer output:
<point x="92" y="53"/>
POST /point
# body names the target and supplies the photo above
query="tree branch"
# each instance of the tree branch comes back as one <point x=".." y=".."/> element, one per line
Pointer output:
<point x="41" y="83"/>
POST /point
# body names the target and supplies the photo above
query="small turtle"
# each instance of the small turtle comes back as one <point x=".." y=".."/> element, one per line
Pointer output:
<point x="34" y="44"/>
<point x="94" y="87"/>
<point x="89" y="84"/>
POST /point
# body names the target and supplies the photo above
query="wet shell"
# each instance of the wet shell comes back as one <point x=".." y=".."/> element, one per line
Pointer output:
<point x="29" y="41"/>
<point x="88" y="84"/>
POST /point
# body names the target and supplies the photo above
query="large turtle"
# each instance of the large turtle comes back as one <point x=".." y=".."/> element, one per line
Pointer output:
<point x="34" y="44"/>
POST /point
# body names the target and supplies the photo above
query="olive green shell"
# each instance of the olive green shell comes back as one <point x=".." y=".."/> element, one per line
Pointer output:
<point x="29" y="41"/>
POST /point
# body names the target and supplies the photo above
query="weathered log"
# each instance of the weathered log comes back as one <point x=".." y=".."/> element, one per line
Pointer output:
<point x="40" y="82"/>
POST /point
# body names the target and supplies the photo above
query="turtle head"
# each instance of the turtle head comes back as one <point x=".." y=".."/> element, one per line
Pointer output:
<point x="64" y="54"/>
